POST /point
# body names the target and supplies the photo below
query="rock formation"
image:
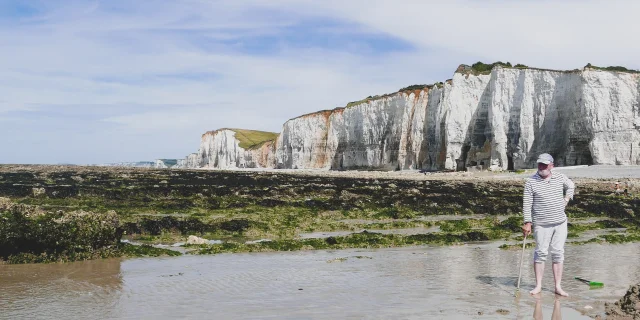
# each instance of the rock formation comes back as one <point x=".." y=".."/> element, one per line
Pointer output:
<point x="158" y="164"/>
<point x="138" y="164"/>
<point x="165" y="163"/>
<point x="232" y="148"/>
<point x="628" y="307"/>
<point x="498" y="119"/>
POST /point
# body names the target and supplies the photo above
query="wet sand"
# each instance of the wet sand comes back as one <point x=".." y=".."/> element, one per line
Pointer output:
<point x="472" y="281"/>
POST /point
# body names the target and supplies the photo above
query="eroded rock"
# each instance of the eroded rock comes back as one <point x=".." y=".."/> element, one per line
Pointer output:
<point x="628" y="307"/>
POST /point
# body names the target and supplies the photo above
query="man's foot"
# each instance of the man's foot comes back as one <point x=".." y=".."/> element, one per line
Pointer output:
<point x="561" y="292"/>
<point x="535" y="290"/>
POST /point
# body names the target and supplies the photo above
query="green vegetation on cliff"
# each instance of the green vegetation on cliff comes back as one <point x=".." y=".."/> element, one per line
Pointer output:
<point x="415" y="87"/>
<point x="408" y="88"/>
<point x="612" y="68"/>
<point x="480" y="68"/>
<point x="365" y="100"/>
<point x="483" y="68"/>
<point x="252" y="139"/>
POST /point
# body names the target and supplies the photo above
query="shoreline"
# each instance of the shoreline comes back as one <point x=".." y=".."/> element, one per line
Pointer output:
<point x="581" y="172"/>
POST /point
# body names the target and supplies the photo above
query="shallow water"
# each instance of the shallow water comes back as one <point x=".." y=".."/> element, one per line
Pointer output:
<point x="407" y="231"/>
<point x="404" y="283"/>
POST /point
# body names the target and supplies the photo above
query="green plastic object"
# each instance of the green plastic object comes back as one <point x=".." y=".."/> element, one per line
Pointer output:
<point x="591" y="283"/>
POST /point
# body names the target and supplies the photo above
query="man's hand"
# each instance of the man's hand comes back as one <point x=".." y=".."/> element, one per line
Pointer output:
<point x="526" y="229"/>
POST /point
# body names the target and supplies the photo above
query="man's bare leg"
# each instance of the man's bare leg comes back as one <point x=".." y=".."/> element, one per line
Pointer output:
<point x="538" y="268"/>
<point x="557" y="276"/>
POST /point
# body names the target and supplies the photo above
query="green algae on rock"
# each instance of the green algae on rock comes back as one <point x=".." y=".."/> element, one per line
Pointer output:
<point x="166" y="206"/>
<point x="36" y="234"/>
<point x="356" y="240"/>
<point x="29" y="234"/>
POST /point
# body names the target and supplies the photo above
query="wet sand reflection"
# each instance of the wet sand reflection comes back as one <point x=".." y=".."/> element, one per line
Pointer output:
<point x="454" y="282"/>
<point x="557" y="310"/>
<point x="60" y="290"/>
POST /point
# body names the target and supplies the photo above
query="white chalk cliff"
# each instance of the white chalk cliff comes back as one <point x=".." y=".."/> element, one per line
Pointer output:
<point x="500" y="120"/>
<point x="220" y="149"/>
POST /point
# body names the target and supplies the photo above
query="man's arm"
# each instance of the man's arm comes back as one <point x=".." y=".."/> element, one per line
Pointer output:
<point x="527" y="201"/>
<point x="569" y="188"/>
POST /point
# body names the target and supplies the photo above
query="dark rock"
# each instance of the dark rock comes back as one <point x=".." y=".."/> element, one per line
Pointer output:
<point x="628" y="307"/>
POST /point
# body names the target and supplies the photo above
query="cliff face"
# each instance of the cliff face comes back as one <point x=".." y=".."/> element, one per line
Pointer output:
<point x="580" y="117"/>
<point x="222" y="149"/>
<point x="303" y="142"/>
<point x="165" y="163"/>
<point x="383" y="133"/>
<point x="191" y="161"/>
<point x="611" y="102"/>
<point x="501" y="120"/>
<point x="378" y="134"/>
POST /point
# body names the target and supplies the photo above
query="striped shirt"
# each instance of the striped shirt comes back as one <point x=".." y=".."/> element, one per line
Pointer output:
<point x="543" y="202"/>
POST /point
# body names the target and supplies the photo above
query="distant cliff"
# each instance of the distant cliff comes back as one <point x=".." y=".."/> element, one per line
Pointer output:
<point x="158" y="164"/>
<point x="232" y="148"/>
<point x="138" y="164"/>
<point x="494" y="117"/>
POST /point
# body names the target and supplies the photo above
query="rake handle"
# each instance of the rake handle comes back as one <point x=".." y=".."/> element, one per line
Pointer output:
<point x="521" y="259"/>
<point x="583" y="280"/>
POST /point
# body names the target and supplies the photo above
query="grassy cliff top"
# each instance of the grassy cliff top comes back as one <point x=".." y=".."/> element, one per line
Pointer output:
<point x="251" y="139"/>
<point x="407" y="90"/>
<point x="479" y="68"/>
<point x="612" y="68"/>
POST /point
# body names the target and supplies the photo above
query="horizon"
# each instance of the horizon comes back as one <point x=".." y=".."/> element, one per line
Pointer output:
<point x="96" y="82"/>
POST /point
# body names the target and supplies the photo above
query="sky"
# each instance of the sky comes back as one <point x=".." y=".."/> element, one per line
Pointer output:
<point x="103" y="81"/>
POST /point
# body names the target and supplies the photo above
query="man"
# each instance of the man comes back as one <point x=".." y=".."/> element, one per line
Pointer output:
<point x="617" y="188"/>
<point x="546" y="195"/>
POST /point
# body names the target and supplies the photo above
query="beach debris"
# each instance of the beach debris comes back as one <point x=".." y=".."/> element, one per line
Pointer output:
<point x="502" y="311"/>
<point x="196" y="240"/>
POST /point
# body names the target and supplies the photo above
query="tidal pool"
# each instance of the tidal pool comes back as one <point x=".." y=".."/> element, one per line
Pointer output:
<point x="472" y="281"/>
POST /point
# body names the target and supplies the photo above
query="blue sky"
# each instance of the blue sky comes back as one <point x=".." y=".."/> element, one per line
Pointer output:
<point x="107" y="81"/>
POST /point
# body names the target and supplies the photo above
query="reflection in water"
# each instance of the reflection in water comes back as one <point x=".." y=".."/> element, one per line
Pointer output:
<point x="60" y="290"/>
<point x="455" y="282"/>
<point x="557" y="310"/>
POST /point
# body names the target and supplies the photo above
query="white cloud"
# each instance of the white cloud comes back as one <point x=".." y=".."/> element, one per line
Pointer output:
<point x="135" y="58"/>
<point x="558" y="34"/>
